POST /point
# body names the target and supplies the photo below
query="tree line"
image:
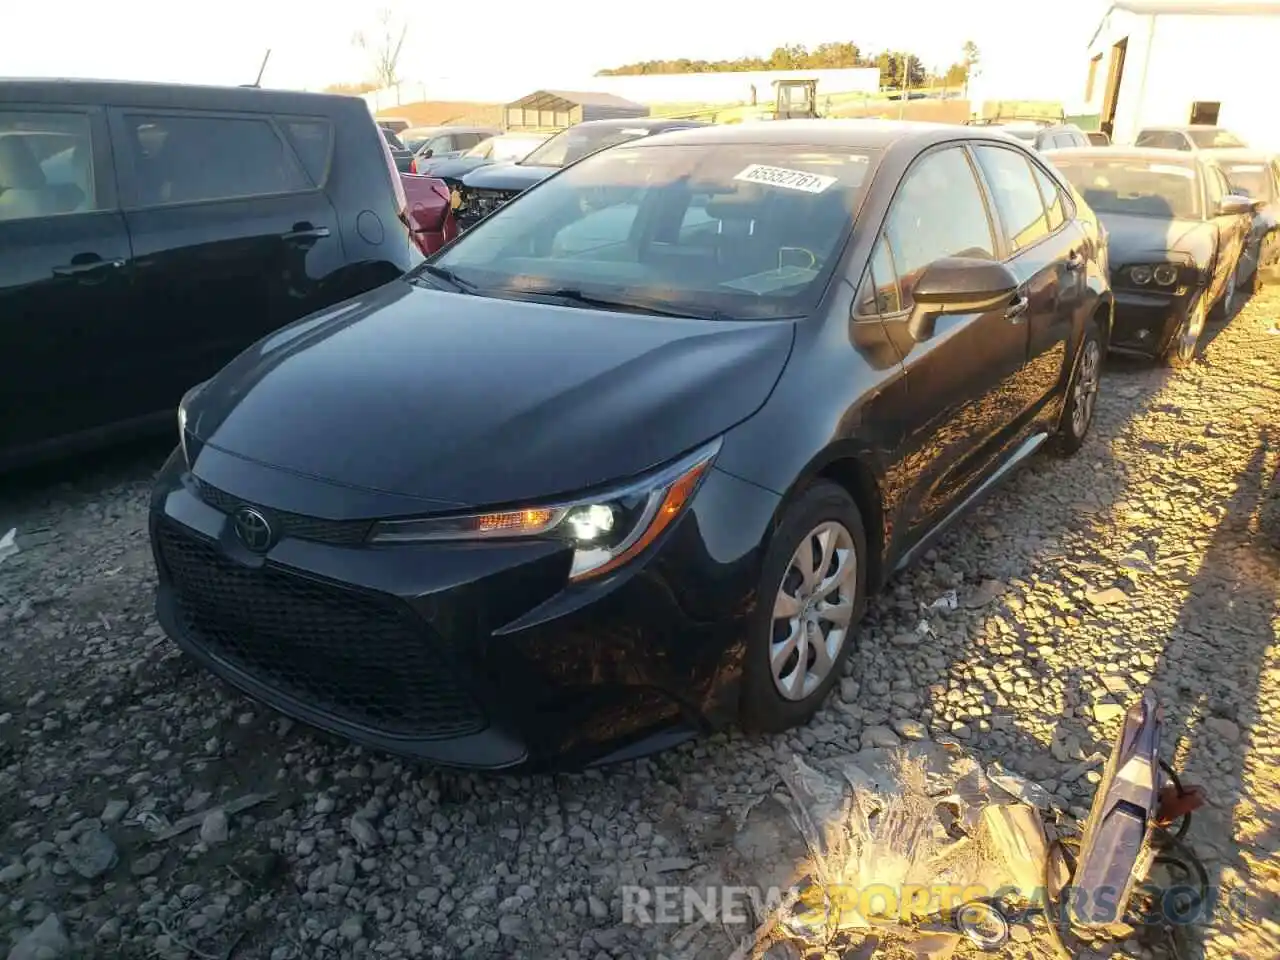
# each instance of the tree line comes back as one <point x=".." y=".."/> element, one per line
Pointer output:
<point x="893" y="64"/>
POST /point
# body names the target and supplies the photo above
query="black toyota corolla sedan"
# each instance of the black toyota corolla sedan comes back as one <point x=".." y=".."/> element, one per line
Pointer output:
<point x="1175" y="236"/>
<point x="623" y="463"/>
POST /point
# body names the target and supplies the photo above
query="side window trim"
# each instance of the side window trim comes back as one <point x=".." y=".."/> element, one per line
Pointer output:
<point x="869" y="277"/>
<point x="122" y="150"/>
<point x="279" y="120"/>
<point x="1010" y="253"/>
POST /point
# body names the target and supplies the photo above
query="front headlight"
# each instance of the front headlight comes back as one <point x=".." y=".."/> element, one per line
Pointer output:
<point x="605" y="530"/>
<point x="182" y="419"/>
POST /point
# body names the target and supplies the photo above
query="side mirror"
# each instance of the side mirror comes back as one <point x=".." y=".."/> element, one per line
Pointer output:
<point x="958" y="285"/>
<point x="427" y="154"/>
<point x="1234" y="204"/>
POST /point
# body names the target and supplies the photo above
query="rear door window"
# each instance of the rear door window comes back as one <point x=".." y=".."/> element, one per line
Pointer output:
<point x="46" y="164"/>
<point x="312" y="141"/>
<point x="1052" y="196"/>
<point x="1016" y="195"/>
<point x="190" y="158"/>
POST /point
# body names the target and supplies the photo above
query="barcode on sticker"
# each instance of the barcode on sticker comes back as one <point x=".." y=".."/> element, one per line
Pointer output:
<point x="788" y="179"/>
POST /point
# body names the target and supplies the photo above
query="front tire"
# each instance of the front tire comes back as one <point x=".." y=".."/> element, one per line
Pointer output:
<point x="811" y="595"/>
<point x="1082" y="394"/>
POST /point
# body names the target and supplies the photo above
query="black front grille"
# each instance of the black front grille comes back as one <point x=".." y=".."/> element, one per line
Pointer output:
<point x="363" y="659"/>
<point x="340" y="532"/>
<point x="478" y="204"/>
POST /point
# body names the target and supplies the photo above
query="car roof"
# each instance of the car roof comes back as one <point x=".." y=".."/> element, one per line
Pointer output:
<point x="127" y="93"/>
<point x="863" y="134"/>
<point x="618" y="123"/>
<point x="1184" y="158"/>
<point x="1184" y="127"/>
<point x="1238" y="155"/>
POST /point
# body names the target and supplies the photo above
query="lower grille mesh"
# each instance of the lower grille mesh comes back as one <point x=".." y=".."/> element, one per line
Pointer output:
<point x="365" y="660"/>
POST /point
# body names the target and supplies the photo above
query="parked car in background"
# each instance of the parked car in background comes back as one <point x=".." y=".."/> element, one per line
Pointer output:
<point x="1256" y="175"/>
<point x="1175" y="233"/>
<point x="400" y="154"/>
<point x="149" y="232"/>
<point x="1188" y="137"/>
<point x="431" y="219"/>
<point x="534" y="503"/>
<point x="506" y="147"/>
<point x="486" y="188"/>
<point x="1099" y="138"/>
<point x="426" y="143"/>
<point x="1037" y="132"/>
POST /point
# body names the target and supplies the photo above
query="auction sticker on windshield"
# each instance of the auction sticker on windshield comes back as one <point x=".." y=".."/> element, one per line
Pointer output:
<point x="788" y="179"/>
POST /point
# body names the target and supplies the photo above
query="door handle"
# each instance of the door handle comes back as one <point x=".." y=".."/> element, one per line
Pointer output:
<point x="1017" y="310"/>
<point x="92" y="266"/>
<point x="1074" y="260"/>
<point x="301" y="232"/>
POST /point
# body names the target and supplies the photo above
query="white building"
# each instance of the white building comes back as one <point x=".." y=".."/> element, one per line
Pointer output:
<point x="1154" y="63"/>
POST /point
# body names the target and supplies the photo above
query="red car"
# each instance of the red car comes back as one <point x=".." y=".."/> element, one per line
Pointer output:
<point x="426" y="205"/>
<point x="430" y="214"/>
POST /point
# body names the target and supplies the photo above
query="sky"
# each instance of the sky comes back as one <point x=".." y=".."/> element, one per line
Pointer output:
<point x="311" y="40"/>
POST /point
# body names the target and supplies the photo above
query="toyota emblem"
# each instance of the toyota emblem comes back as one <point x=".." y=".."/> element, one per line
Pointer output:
<point x="253" y="529"/>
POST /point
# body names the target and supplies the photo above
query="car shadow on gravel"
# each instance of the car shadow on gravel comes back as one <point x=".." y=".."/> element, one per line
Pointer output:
<point x="1194" y="581"/>
<point x="1225" y="628"/>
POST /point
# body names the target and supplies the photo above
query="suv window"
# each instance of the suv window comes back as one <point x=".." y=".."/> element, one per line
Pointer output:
<point x="46" y="165"/>
<point x="1052" y="196"/>
<point x="1017" y="197"/>
<point x="938" y="212"/>
<point x="312" y="141"/>
<point x="189" y="158"/>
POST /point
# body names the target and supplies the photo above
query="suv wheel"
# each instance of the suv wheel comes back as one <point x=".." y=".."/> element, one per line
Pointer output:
<point x="810" y="599"/>
<point x="1082" y="395"/>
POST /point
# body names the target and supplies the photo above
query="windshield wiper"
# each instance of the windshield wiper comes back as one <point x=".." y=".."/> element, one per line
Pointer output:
<point x="573" y="295"/>
<point x="445" y="274"/>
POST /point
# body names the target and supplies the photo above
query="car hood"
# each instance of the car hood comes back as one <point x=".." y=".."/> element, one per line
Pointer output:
<point x="454" y="168"/>
<point x="1135" y="239"/>
<point x="507" y="176"/>
<point x="468" y="401"/>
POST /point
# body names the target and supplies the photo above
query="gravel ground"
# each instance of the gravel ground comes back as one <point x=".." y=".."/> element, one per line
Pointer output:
<point x="1150" y="558"/>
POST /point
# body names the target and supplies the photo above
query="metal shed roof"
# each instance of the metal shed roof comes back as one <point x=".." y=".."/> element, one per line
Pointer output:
<point x="568" y="99"/>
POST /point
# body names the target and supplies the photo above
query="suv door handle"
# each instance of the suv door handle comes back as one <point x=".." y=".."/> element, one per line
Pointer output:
<point x="1074" y="260"/>
<point x="92" y="266"/>
<point x="1017" y="309"/>
<point x="302" y="231"/>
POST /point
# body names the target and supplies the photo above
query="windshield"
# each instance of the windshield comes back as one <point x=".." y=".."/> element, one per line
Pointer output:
<point x="576" y="142"/>
<point x="1135" y="186"/>
<point x="1208" y="139"/>
<point x="740" y="230"/>
<point x="1253" y="179"/>
<point x="392" y="140"/>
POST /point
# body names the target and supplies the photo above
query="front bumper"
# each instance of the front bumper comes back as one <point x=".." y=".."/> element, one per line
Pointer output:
<point x="473" y="655"/>
<point x="1145" y="323"/>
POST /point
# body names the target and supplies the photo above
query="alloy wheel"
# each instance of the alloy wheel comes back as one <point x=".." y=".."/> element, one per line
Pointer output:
<point x="812" y="610"/>
<point x="1086" y="389"/>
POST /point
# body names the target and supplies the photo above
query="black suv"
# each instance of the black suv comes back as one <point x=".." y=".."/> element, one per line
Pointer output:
<point x="150" y="232"/>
